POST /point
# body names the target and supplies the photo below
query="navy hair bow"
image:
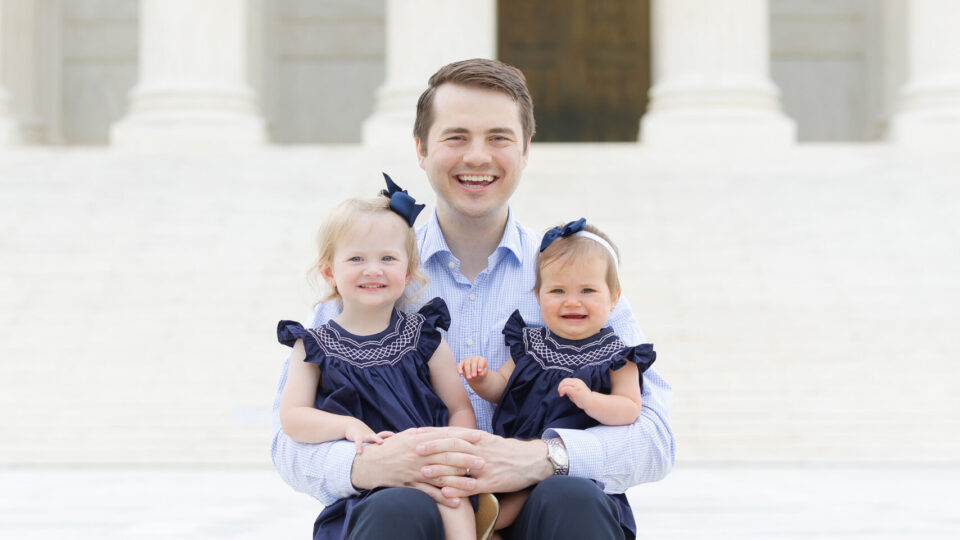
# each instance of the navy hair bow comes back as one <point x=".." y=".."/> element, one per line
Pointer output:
<point x="558" y="232"/>
<point x="401" y="202"/>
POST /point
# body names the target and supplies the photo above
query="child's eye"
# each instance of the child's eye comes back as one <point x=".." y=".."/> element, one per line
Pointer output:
<point x="355" y="258"/>
<point x="556" y="291"/>
<point x="389" y="258"/>
<point x="588" y="290"/>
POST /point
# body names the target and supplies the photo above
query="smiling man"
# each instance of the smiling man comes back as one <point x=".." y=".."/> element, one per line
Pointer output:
<point x="473" y="131"/>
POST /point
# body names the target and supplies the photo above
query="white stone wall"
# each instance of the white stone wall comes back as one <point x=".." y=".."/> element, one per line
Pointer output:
<point x="99" y="67"/>
<point x="322" y="64"/>
<point x="325" y="62"/>
<point x="803" y="303"/>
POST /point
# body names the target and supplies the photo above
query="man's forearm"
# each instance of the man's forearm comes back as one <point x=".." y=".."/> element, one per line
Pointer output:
<point x="319" y="470"/>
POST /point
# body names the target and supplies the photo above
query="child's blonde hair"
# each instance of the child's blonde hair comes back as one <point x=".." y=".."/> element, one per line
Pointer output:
<point x="567" y="249"/>
<point x="350" y="213"/>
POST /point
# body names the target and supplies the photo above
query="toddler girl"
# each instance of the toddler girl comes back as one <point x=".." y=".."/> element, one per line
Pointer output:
<point x="573" y="373"/>
<point x="374" y="369"/>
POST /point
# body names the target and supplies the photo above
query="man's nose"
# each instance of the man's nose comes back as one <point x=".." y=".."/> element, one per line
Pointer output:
<point x="477" y="154"/>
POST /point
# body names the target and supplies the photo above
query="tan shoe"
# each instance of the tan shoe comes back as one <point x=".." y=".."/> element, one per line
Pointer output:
<point x="488" y="509"/>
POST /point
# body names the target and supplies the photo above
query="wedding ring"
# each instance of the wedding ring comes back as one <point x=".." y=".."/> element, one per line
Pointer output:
<point x="468" y="472"/>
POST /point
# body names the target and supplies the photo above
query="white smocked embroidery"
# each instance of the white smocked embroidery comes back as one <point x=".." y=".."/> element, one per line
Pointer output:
<point x="388" y="350"/>
<point x="543" y="347"/>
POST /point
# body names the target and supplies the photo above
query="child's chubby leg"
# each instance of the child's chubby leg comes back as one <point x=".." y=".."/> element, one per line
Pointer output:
<point x="458" y="523"/>
<point x="510" y="505"/>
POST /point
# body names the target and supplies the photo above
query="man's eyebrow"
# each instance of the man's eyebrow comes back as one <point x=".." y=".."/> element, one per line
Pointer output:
<point x="461" y="130"/>
<point x="451" y="130"/>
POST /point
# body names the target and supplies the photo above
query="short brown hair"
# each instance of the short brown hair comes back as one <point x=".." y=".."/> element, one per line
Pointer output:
<point x="477" y="73"/>
<point x="569" y="248"/>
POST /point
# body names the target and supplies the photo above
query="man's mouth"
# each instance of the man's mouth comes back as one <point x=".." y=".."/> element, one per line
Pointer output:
<point x="475" y="180"/>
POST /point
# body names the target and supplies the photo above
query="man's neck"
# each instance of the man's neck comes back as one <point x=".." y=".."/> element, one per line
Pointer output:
<point x="472" y="240"/>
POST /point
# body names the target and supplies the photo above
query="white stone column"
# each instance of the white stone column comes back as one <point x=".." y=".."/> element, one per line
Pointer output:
<point x="22" y="59"/>
<point x="422" y="36"/>
<point x="929" y="111"/>
<point x="711" y="76"/>
<point x="195" y="76"/>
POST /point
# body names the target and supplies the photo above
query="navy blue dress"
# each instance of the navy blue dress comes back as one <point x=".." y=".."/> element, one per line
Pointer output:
<point x="382" y="379"/>
<point x="530" y="403"/>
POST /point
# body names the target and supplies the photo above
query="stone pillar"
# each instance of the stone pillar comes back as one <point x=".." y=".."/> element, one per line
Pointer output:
<point x="195" y="76"/>
<point x="929" y="111"/>
<point x="22" y="59"/>
<point x="422" y="36"/>
<point x="711" y="76"/>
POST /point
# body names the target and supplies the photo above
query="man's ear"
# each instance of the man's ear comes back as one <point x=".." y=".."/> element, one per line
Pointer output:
<point x="526" y="151"/>
<point x="420" y="155"/>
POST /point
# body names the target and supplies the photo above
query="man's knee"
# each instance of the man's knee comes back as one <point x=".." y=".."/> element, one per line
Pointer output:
<point x="401" y="513"/>
<point x="568" y="507"/>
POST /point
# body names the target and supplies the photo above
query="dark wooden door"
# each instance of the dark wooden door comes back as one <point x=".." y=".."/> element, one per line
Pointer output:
<point x="587" y="63"/>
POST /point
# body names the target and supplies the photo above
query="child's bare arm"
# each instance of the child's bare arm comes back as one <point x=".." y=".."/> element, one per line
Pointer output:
<point x="304" y="423"/>
<point x="621" y="407"/>
<point x="487" y="384"/>
<point x="446" y="382"/>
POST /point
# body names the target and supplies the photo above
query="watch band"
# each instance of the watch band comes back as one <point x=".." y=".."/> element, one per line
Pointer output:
<point x="557" y="454"/>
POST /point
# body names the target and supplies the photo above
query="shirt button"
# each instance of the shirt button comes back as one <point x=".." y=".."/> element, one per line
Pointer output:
<point x="469" y="342"/>
<point x="472" y="296"/>
<point x="451" y="265"/>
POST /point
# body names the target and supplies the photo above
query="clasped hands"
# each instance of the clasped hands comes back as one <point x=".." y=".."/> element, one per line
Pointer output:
<point x="435" y="461"/>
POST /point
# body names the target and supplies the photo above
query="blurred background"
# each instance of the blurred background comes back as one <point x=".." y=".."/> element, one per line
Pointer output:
<point x="781" y="176"/>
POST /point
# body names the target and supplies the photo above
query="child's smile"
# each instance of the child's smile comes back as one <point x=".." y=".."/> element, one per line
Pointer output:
<point x="370" y="263"/>
<point x="574" y="297"/>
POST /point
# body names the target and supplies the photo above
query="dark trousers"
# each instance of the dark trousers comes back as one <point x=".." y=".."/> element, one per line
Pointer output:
<point x="558" y="508"/>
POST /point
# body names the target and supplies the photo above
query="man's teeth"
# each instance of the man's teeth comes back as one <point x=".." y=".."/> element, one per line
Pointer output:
<point x="476" y="179"/>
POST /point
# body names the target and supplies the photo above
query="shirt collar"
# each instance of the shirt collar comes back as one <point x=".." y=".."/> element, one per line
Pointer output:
<point x="434" y="243"/>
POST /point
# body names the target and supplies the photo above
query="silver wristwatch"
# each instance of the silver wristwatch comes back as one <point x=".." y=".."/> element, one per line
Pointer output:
<point x="557" y="454"/>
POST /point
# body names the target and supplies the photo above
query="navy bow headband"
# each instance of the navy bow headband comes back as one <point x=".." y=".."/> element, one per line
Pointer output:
<point x="560" y="232"/>
<point x="401" y="202"/>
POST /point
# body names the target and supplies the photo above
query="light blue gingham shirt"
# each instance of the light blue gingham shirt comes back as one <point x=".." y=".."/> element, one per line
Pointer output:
<point x="616" y="456"/>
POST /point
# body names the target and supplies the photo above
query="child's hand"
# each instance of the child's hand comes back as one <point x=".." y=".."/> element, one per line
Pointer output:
<point x="576" y="390"/>
<point x="473" y="367"/>
<point x="359" y="433"/>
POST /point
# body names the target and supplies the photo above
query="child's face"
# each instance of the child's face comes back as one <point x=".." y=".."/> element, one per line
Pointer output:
<point x="369" y="267"/>
<point x="574" y="297"/>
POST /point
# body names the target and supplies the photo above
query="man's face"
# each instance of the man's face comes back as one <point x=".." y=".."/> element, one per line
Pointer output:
<point x="475" y="152"/>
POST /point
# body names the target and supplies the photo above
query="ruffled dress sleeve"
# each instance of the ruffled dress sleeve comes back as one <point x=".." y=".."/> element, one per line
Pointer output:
<point x="641" y="355"/>
<point x="513" y="335"/>
<point x="288" y="332"/>
<point x="436" y="317"/>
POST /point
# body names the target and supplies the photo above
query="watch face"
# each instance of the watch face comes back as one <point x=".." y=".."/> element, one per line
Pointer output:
<point x="558" y="457"/>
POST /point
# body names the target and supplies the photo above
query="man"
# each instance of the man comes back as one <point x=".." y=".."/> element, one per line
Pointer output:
<point x="473" y="131"/>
